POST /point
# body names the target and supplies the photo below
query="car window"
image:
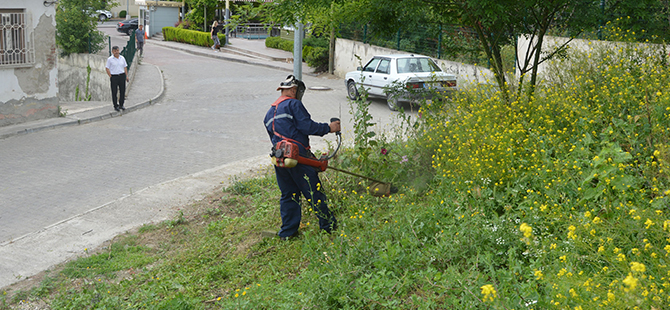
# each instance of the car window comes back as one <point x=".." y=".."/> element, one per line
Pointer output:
<point x="384" y="66"/>
<point x="370" y="67"/>
<point x="409" y="65"/>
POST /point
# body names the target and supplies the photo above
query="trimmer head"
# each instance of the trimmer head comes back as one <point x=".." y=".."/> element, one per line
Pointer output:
<point x="379" y="189"/>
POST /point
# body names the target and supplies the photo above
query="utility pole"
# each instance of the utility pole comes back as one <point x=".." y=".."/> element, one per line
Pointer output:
<point x="227" y="21"/>
<point x="297" y="51"/>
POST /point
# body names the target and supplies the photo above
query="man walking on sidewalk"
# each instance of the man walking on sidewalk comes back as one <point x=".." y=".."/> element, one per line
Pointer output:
<point x="117" y="69"/>
<point x="139" y="39"/>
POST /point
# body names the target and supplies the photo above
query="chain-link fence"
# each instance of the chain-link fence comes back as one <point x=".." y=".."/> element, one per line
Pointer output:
<point x="451" y="42"/>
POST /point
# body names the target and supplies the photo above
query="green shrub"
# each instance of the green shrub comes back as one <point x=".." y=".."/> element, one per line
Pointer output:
<point x="316" y="57"/>
<point x="190" y="36"/>
<point x="313" y="51"/>
<point x="122" y="14"/>
<point x="272" y="42"/>
<point x="316" y="42"/>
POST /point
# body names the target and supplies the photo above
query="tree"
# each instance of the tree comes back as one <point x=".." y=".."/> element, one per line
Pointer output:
<point x="324" y="15"/>
<point x="202" y="12"/>
<point x="76" y="29"/>
<point x="570" y="17"/>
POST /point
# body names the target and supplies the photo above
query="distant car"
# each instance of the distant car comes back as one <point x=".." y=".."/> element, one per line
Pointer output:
<point x="127" y="26"/>
<point x="399" y="78"/>
<point x="103" y="15"/>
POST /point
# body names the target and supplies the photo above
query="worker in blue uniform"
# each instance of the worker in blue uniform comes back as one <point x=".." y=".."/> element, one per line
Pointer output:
<point x="288" y="119"/>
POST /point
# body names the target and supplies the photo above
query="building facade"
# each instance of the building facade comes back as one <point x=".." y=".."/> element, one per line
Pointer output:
<point x="28" y="61"/>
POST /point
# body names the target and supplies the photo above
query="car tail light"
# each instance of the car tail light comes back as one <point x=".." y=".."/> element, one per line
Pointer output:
<point x="415" y="85"/>
<point x="451" y="83"/>
<point x="120" y="24"/>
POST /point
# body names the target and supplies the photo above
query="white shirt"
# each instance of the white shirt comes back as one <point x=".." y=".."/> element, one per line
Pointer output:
<point x="116" y="65"/>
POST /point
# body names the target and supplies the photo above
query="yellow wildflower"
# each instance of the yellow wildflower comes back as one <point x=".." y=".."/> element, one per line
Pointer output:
<point x="489" y="292"/>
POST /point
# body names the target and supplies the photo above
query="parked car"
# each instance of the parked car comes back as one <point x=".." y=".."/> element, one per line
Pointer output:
<point x="103" y="15"/>
<point x="127" y="26"/>
<point x="399" y="78"/>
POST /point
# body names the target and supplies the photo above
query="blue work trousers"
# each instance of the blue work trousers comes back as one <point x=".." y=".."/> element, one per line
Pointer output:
<point x="293" y="182"/>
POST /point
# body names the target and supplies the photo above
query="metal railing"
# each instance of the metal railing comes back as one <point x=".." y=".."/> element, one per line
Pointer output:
<point x="255" y="31"/>
<point x="128" y="51"/>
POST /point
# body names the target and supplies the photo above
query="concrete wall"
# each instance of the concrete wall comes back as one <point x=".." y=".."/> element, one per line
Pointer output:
<point x="29" y="92"/>
<point x="73" y="72"/>
<point x="347" y="50"/>
<point x="551" y="43"/>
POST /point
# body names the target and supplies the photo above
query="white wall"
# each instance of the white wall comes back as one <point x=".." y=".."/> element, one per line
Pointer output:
<point x="30" y="92"/>
<point x="346" y="60"/>
<point x="550" y="44"/>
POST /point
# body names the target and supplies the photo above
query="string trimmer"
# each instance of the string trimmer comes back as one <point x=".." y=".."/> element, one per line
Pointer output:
<point x="286" y="154"/>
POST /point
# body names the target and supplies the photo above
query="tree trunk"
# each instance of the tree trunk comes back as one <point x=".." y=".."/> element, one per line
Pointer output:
<point x="492" y="51"/>
<point x="331" y="51"/>
<point x="536" y="59"/>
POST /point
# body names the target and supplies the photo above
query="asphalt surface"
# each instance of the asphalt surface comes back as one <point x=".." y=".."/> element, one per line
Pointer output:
<point x="193" y="124"/>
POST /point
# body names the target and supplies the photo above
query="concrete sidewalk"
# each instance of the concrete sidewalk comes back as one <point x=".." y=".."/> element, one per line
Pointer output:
<point x="147" y="85"/>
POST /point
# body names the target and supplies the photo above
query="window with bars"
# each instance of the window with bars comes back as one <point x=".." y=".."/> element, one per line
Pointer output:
<point x="15" y="45"/>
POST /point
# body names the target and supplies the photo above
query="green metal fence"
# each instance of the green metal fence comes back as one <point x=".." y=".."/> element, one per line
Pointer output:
<point x="128" y="51"/>
<point x="450" y="42"/>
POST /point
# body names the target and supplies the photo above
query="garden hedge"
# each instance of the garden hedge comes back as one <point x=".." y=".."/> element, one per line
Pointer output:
<point x="191" y="36"/>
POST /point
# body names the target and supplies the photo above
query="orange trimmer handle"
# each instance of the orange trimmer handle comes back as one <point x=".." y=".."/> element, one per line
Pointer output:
<point x="321" y="164"/>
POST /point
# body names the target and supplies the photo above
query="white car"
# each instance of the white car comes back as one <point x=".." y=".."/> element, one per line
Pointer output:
<point x="399" y="78"/>
<point x="102" y="15"/>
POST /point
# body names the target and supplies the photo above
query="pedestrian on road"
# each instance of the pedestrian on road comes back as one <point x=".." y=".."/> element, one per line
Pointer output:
<point x="139" y="39"/>
<point x="117" y="69"/>
<point x="288" y="119"/>
<point x="215" y="37"/>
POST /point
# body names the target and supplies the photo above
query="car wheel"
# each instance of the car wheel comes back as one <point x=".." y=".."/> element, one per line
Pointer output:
<point x="352" y="91"/>
<point x="392" y="101"/>
<point x="102" y="17"/>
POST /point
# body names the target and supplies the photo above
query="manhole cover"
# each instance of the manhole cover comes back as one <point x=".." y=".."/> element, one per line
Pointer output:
<point x="319" y="88"/>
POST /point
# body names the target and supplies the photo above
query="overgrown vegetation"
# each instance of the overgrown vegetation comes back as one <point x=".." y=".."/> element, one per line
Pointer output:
<point x="556" y="201"/>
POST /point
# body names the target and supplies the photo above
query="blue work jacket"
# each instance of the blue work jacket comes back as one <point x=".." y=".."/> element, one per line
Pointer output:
<point x="291" y="120"/>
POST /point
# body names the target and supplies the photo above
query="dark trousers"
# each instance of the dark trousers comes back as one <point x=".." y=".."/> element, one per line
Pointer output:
<point x="303" y="180"/>
<point x="140" y="47"/>
<point x="118" y="84"/>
